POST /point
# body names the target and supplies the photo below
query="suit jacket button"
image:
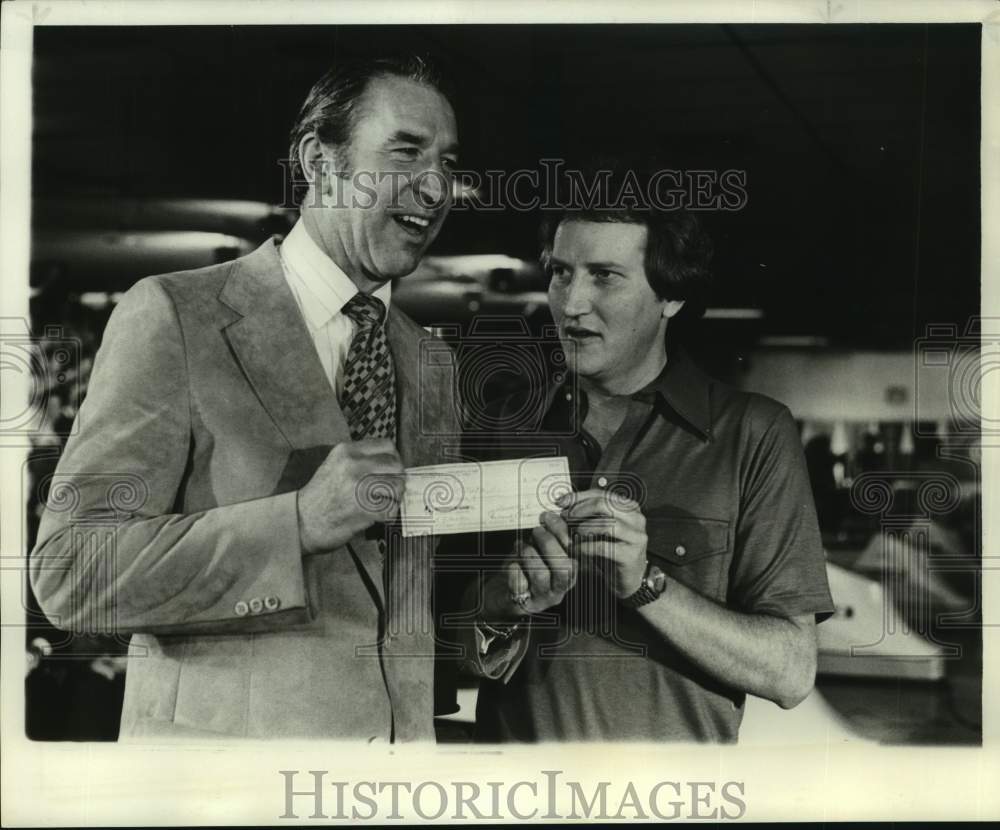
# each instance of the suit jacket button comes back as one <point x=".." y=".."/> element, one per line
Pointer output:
<point x="241" y="609"/>
<point x="256" y="605"/>
<point x="680" y="550"/>
<point x="271" y="603"/>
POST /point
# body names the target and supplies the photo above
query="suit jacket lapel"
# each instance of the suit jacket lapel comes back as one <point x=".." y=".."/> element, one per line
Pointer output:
<point x="276" y="353"/>
<point x="272" y="344"/>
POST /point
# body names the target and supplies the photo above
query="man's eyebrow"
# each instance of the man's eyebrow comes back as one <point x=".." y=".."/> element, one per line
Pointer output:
<point x="406" y="137"/>
<point x="593" y="266"/>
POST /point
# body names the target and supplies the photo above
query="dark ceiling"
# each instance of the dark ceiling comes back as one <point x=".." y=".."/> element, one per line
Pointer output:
<point x="860" y="143"/>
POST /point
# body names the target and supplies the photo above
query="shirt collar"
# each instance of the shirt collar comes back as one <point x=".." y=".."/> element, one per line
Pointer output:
<point x="684" y="388"/>
<point x="325" y="286"/>
<point x="681" y="385"/>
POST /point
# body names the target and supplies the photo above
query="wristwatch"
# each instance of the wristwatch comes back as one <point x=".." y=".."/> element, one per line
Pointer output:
<point x="654" y="583"/>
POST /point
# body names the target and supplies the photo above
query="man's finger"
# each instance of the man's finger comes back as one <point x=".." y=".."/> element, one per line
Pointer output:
<point x="517" y="580"/>
<point x="382" y="464"/>
<point x="380" y="493"/>
<point x="600" y="549"/>
<point x="556" y="525"/>
<point x="617" y="530"/>
<point x="591" y="503"/>
<point x="536" y="570"/>
<point x="595" y="528"/>
<point x="559" y="565"/>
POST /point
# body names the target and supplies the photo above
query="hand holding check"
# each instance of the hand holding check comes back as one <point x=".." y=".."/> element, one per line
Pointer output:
<point x="504" y="495"/>
<point x="592" y="524"/>
<point x="359" y="483"/>
<point x="611" y="527"/>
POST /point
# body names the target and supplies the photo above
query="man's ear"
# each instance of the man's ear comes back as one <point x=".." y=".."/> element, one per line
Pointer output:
<point x="671" y="307"/>
<point x="317" y="161"/>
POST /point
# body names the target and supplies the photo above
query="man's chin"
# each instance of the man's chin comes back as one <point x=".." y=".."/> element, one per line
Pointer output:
<point x="389" y="272"/>
<point x="576" y="363"/>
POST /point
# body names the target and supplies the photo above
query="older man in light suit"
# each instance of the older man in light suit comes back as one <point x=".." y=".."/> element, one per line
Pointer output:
<point x="228" y="498"/>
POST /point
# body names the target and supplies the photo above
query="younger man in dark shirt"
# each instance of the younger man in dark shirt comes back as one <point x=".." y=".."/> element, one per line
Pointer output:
<point x="686" y="569"/>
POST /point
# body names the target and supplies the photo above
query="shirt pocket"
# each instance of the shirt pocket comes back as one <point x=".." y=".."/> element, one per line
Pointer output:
<point x="693" y="550"/>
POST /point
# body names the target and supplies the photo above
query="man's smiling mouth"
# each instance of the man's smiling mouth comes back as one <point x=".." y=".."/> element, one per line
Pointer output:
<point x="412" y="223"/>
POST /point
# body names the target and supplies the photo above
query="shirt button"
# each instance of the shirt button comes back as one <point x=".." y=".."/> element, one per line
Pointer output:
<point x="241" y="609"/>
<point x="602" y="482"/>
<point x="256" y="605"/>
<point x="569" y="396"/>
<point x="680" y="550"/>
<point x="272" y="603"/>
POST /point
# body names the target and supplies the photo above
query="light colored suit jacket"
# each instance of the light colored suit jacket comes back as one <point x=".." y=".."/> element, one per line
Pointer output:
<point x="172" y="518"/>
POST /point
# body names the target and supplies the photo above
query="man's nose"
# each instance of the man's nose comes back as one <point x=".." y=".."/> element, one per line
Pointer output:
<point x="576" y="298"/>
<point x="432" y="187"/>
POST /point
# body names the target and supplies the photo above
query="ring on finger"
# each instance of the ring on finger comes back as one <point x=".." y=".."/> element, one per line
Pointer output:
<point x="521" y="599"/>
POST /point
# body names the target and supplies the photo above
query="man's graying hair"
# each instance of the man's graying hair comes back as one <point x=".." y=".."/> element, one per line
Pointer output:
<point x="331" y="107"/>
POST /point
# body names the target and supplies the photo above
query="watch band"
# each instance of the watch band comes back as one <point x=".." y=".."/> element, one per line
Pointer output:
<point x="651" y="589"/>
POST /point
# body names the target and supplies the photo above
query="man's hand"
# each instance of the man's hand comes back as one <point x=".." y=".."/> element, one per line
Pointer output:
<point x="360" y="483"/>
<point x="540" y="574"/>
<point x="609" y="527"/>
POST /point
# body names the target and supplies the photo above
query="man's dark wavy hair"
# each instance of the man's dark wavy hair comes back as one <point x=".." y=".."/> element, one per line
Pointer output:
<point x="331" y="107"/>
<point x="678" y="253"/>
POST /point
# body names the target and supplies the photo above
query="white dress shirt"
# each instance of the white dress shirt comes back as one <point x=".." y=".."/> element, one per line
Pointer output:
<point x="321" y="290"/>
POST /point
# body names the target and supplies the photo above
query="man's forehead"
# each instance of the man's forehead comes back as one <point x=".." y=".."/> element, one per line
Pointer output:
<point x="394" y="104"/>
<point x="594" y="241"/>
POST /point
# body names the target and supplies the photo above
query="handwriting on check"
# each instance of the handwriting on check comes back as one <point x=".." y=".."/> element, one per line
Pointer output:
<point x="482" y="497"/>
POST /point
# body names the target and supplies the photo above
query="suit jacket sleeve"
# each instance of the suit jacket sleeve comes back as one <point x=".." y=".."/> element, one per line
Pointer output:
<point x="113" y="554"/>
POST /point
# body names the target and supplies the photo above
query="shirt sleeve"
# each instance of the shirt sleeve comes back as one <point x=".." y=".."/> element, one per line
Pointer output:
<point x="113" y="555"/>
<point x="779" y="565"/>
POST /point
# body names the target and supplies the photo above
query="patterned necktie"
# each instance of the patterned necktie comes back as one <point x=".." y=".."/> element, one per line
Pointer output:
<point x="369" y="392"/>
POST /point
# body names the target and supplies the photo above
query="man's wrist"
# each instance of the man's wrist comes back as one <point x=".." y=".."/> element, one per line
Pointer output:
<point x="305" y="543"/>
<point x="651" y="588"/>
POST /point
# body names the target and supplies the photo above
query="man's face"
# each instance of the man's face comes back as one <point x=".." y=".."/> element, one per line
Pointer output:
<point x="611" y="322"/>
<point x="381" y="218"/>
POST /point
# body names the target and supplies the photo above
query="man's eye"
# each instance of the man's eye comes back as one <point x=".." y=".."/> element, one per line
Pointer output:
<point x="449" y="164"/>
<point x="604" y="275"/>
<point x="558" y="272"/>
<point x="407" y="152"/>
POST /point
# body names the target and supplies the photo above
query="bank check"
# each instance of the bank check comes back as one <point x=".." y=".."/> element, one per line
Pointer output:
<point x="482" y="497"/>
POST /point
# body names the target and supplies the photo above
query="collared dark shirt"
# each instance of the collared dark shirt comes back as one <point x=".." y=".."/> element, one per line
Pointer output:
<point x="720" y="476"/>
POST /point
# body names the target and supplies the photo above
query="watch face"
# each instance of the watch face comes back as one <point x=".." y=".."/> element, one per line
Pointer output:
<point x="657" y="579"/>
